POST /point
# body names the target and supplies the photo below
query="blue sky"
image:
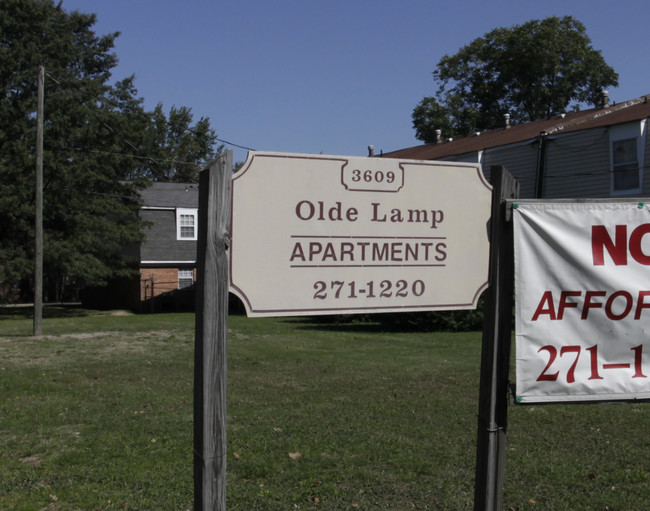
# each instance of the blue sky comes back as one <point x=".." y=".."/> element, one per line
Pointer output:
<point x="332" y="77"/>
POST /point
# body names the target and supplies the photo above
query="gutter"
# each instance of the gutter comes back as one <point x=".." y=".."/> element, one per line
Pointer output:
<point x="541" y="164"/>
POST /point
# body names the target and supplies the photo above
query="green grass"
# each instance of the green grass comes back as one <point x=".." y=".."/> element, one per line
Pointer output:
<point x="97" y="415"/>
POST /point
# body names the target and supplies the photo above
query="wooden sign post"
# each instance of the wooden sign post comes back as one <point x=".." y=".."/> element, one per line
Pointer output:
<point x="350" y="235"/>
<point x="211" y="336"/>
<point x="495" y="354"/>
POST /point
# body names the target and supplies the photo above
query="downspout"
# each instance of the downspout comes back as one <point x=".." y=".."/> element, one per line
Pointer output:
<point x="541" y="164"/>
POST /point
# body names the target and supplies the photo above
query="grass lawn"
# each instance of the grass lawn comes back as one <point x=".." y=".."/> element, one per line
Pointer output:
<point x="97" y="415"/>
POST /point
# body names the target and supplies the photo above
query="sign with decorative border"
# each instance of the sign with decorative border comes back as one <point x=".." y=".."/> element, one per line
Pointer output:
<point x="316" y="234"/>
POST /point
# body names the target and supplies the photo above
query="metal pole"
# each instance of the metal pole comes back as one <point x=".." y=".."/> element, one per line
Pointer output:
<point x="38" y="227"/>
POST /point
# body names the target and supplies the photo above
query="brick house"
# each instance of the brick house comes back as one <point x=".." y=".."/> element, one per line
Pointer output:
<point x="594" y="153"/>
<point x="166" y="259"/>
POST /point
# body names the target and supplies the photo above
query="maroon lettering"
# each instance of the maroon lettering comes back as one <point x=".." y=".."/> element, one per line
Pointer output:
<point x="426" y="247"/>
<point x="610" y="303"/>
<point x="564" y="304"/>
<point x="329" y="252"/>
<point x="601" y="240"/>
<point x="339" y="289"/>
<point x="441" y="251"/>
<point x="594" y="362"/>
<point x="640" y="304"/>
<point x="412" y="252"/>
<point x="297" y="253"/>
<point x="552" y="355"/>
<point x="380" y="251"/>
<point x="589" y="304"/>
<point x="619" y="248"/>
<point x="635" y="244"/>
<point x="315" y="248"/>
<point x="375" y="213"/>
<point x="303" y="214"/>
<point x="347" y="249"/>
<point x="618" y="305"/>
<point x="546" y="306"/>
<point x="425" y="216"/>
<point x="307" y="210"/>
<point x="396" y="251"/>
<point x="570" y="376"/>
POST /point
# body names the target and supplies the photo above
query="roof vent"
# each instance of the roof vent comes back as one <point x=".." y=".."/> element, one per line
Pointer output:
<point x="506" y="120"/>
<point x="438" y="135"/>
<point x="605" y="99"/>
<point x="371" y="150"/>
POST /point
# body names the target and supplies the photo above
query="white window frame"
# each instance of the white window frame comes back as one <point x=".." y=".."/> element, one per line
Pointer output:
<point x="185" y="275"/>
<point x="182" y="212"/>
<point x="636" y="131"/>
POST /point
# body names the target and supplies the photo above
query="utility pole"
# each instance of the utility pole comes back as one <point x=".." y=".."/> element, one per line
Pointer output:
<point x="38" y="228"/>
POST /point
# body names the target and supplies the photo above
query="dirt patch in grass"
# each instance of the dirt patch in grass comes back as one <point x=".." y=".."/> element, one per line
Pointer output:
<point x="160" y="334"/>
<point x="34" y="460"/>
<point x="39" y="351"/>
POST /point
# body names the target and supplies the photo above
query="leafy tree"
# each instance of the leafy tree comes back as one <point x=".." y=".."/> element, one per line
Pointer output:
<point x="96" y="136"/>
<point x="178" y="151"/>
<point x="530" y="71"/>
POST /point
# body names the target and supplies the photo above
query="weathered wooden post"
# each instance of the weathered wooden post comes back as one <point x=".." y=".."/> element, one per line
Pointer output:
<point x="38" y="201"/>
<point x="495" y="355"/>
<point x="211" y="336"/>
<point x="342" y="253"/>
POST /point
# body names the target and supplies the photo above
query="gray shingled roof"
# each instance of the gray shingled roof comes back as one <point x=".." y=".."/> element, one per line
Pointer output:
<point x="171" y="195"/>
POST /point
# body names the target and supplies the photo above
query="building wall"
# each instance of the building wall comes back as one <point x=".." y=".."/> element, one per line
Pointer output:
<point x="577" y="165"/>
<point x="518" y="159"/>
<point x="646" y="163"/>
<point x="157" y="281"/>
<point x="161" y="243"/>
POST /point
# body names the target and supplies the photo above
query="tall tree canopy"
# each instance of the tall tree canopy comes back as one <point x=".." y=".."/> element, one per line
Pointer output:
<point x="530" y="71"/>
<point x="97" y="136"/>
<point x="177" y="149"/>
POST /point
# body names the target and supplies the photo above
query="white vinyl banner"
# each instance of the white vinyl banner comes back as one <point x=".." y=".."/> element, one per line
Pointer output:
<point x="582" y="278"/>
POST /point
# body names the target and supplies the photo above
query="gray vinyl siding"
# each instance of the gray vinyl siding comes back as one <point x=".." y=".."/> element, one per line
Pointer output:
<point x="468" y="158"/>
<point x="518" y="159"/>
<point x="161" y="243"/>
<point x="577" y="165"/>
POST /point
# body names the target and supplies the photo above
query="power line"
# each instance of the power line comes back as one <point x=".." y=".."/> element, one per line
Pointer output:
<point x="135" y="156"/>
<point x="235" y="145"/>
<point x="59" y="81"/>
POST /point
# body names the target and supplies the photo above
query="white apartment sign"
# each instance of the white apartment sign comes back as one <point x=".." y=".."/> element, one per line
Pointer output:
<point x="582" y="301"/>
<point x="315" y="234"/>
